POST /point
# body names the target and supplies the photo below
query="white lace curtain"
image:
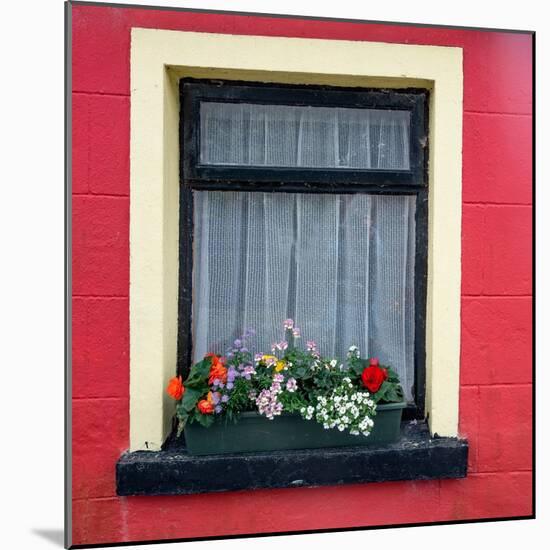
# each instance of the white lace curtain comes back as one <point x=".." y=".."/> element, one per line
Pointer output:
<point x="245" y="134"/>
<point x="342" y="266"/>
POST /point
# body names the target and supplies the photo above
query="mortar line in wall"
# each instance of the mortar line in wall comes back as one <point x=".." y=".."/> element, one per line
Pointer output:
<point x="495" y="113"/>
<point x="88" y="147"/>
<point x="85" y="499"/>
<point x="496" y="385"/>
<point x="484" y="250"/>
<point x="113" y="94"/>
<point x="496" y="295"/>
<point x="102" y="296"/>
<point x="478" y="427"/>
<point x="497" y="472"/>
<point x="470" y="474"/>
<point x="102" y="195"/>
<point x="489" y="203"/>
<point x="98" y="398"/>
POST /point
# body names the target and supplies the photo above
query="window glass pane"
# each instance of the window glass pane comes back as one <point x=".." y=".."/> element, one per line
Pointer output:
<point x="245" y="134"/>
<point x="341" y="266"/>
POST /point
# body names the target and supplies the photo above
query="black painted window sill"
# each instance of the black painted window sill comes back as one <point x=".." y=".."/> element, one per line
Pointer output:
<point x="173" y="471"/>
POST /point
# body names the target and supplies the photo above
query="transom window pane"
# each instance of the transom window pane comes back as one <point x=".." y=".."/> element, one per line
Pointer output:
<point x="341" y="265"/>
<point x="247" y="134"/>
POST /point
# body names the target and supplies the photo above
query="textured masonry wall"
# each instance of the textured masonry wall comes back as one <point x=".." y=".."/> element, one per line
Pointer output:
<point x="495" y="395"/>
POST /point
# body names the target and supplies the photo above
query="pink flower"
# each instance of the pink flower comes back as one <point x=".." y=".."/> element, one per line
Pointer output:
<point x="296" y="332"/>
<point x="288" y="324"/>
<point x="291" y="385"/>
<point x="267" y="402"/>
<point x="279" y="346"/>
<point x="311" y="345"/>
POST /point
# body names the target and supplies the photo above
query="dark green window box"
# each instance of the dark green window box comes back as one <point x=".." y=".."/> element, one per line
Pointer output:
<point x="256" y="433"/>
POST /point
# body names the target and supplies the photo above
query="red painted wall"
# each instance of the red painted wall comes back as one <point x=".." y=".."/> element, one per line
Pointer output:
<point x="495" y="391"/>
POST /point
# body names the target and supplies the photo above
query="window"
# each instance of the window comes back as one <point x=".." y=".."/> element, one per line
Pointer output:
<point x="159" y="60"/>
<point x="309" y="203"/>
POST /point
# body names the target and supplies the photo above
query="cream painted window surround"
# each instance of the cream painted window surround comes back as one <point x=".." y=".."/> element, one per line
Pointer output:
<point x="159" y="58"/>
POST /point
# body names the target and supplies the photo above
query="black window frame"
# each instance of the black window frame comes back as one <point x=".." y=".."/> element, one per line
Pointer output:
<point x="197" y="176"/>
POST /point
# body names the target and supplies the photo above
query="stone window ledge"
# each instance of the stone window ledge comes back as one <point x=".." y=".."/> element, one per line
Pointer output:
<point x="172" y="471"/>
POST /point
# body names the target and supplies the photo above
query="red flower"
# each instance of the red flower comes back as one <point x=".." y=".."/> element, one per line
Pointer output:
<point x="374" y="376"/>
<point x="217" y="369"/>
<point x="205" y="406"/>
<point x="175" y="388"/>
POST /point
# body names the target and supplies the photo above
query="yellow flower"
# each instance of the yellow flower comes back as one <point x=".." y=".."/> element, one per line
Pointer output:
<point x="280" y="365"/>
<point x="269" y="360"/>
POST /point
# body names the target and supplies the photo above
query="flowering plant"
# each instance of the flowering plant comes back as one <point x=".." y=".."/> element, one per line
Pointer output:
<point x="380" y="380"/>
<point x="290" y="380"/>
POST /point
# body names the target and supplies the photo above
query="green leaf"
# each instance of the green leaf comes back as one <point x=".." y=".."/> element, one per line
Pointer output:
<point x="191" y="398"/>
<point x="180" y="411"/>
<point x="392" y="376"/>
<point x="198" y="375"/>
<point x="400" y="393"/>
<point x="205" y="420"/>
<point x="357" y="366"/>
<point x="389" y="392"/>
<point x="391" y="395"/>
<point x="379" y="395"/>
<point x="301" y="372"/>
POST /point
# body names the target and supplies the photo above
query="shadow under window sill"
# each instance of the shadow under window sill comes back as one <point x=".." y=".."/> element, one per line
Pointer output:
<point x="173" y="471"/>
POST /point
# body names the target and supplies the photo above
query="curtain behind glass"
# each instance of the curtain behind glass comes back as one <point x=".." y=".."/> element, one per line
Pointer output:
<point x="246" y="134"/>
<point x="341" y="266"/>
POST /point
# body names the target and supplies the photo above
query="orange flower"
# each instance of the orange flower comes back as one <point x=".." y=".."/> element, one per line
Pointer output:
<point x="217" y="369"/>
<point x="205" y="407"/>
<point x="175" y="388"/>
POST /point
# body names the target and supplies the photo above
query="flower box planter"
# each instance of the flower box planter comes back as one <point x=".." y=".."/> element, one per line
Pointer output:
<point x="255" y="433"/>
